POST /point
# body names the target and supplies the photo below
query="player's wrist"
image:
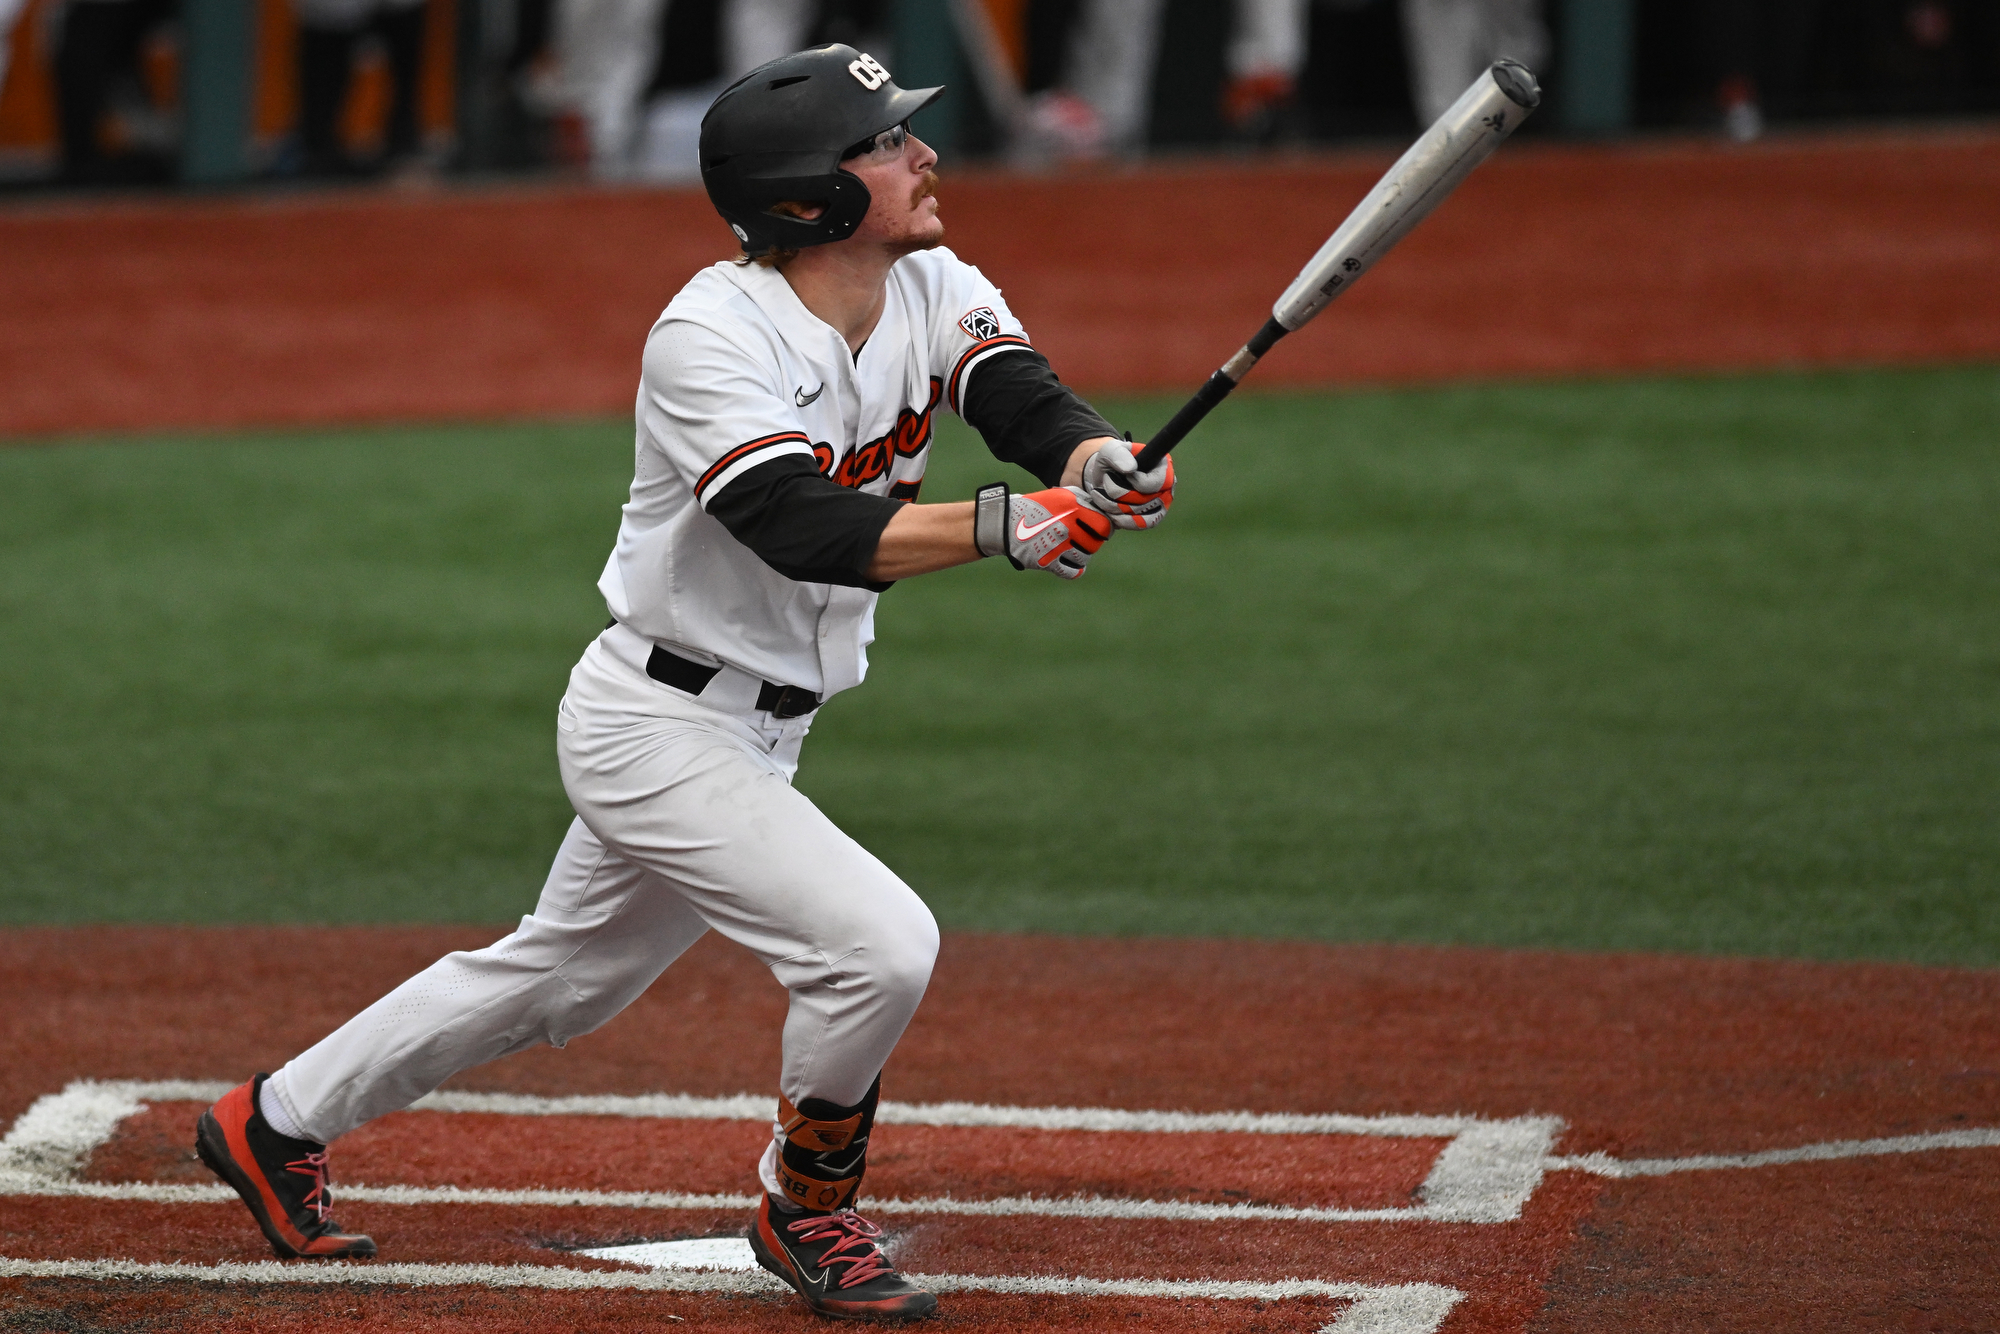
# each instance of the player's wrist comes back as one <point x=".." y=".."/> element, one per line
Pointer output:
<point x="1073" y="470"/>
<point x="1055" y="530"/>
<point x="991" y="506"/>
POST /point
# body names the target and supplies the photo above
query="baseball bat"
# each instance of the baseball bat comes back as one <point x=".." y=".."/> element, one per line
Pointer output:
<point x="1445" y="154"/>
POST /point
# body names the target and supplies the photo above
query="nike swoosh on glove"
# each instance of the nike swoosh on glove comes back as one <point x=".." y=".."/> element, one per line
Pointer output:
<point x="1116" y="487"/>
<point x="1057" y="530"/>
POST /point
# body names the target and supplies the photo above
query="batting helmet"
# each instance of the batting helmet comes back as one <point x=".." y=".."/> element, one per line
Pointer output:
<point x="781" y="131"/>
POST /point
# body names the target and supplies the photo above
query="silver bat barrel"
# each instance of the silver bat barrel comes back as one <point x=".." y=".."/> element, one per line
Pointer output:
<point x="1463" y="137"/>
<point x="1497" y="102"/>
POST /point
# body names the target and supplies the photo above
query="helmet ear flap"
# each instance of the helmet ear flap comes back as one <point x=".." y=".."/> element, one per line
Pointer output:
<point x="847" y="208"/>
<point x="847" y="201"/>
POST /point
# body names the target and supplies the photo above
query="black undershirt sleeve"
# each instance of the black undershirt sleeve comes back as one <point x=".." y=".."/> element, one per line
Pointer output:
<point x="803" y="525"/>
<point x="1026" y="415"/>
<point x="811" y="529"/>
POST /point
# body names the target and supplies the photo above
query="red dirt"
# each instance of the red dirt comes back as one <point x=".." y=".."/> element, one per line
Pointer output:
<point x="1908" y="1243"/>
<point x="212" y="1309"/>
<point x="611" y="1153"/>
<point x="1644" y="1055"/>
<point x="369" y="307"/>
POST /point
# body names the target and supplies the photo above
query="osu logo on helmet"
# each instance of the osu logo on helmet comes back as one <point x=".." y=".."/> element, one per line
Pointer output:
<point x="868" y="72"/>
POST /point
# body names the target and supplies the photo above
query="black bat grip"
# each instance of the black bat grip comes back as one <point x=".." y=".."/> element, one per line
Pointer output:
<point x="1211" y="393"/>
<point x="1182" y="422"/>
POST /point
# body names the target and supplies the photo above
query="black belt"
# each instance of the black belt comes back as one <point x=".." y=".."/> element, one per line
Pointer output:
<point x="779" y="701"/>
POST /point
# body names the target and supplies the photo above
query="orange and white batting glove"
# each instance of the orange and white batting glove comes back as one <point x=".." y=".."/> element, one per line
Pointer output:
<point x="1116" y="487"/>
<point x="1055" y="530"/>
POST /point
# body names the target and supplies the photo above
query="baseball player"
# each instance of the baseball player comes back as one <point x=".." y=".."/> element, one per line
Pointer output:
<point x="784" y="422"/>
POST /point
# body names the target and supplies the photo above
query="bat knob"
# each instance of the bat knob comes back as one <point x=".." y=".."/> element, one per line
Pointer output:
<point x="1518" y="82"/>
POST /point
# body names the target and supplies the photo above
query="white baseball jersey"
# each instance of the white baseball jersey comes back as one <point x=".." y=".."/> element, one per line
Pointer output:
<point x="738" y="372"/>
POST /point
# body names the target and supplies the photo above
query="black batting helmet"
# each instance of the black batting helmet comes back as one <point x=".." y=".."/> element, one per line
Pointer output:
<point x="780" y="132"/>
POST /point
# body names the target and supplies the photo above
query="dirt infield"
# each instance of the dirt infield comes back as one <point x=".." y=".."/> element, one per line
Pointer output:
<point x="1553" y="260"/>
<point x="1276" y="1137"/>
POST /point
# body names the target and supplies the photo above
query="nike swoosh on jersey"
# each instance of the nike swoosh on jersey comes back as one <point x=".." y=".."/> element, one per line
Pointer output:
<point x="805" y="400"/>
<point x="1022" y="532"/>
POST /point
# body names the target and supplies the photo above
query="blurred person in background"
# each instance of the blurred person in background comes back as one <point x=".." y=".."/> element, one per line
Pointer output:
<point x="1101" y="104"/>
<point x="10" y="14"/>
<point x="331" y="34"/>
<point x="701" y="48"/>
<point x="640" y="73"/>
<point x="1266" y="52"/>
<point x="605" y="50"/>
<point x="112" y="130"/>
<point x="1758" y="52"/>
<point x="1101" y="101"/>
<point x="1451" y="42"/>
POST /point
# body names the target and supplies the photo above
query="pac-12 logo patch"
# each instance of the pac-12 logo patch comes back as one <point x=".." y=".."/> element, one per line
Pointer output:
<point x="982" y="324"/>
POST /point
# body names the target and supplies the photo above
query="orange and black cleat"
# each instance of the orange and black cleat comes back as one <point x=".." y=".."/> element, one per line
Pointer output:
<point x="833" y="1261"/>
<point x="282" y="1179"/>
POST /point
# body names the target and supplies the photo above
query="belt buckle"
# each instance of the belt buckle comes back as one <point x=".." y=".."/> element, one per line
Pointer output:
<point x="793" y="701"/>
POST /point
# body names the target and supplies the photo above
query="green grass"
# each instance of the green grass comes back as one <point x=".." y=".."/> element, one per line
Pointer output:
<point x="1706" y="664"/>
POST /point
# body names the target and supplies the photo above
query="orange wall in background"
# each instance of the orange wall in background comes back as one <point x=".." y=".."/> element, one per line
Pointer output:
<point x="27" y="103"/>
<point x="1010" y="18"/>
<point x="278" y="76"/>
<point x="275" y="103"/>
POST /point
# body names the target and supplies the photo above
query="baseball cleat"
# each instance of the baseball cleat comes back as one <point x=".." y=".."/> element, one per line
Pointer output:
<point x="282" y="1179"/>
<point x="833" y="1261"/>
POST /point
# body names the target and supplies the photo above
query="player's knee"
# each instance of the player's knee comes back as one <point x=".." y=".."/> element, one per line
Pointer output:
<point x="903" y="956"/>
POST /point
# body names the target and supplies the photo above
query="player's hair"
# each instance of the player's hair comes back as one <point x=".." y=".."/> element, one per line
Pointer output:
<point x="803" y="209"/>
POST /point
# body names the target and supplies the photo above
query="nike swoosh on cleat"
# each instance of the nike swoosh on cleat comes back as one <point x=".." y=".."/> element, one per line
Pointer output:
<point x="1022" y="532"/>
<point x="803" y="399"/>
<point x="825" y="1275"/>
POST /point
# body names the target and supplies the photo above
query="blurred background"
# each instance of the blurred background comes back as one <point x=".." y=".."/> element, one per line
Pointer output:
<point x="1615" y="568"/>
<point x="158" y="92"/>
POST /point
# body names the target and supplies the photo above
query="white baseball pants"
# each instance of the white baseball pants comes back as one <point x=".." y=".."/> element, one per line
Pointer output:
<point x="686" y="821"/>
<point x="1451" y="42"/>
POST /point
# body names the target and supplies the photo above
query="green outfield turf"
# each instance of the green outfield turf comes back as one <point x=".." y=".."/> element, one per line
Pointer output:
<point x="1705" y="664"/>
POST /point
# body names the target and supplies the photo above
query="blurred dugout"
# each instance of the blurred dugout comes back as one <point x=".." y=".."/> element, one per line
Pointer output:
<point x="349" y="87"/>
<point x="331" y="33"/>
<point x="1057" y="79"/>
<point x="95" y="90"/>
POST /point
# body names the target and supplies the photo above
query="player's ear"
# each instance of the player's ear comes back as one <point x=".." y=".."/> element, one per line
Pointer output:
<point x="806" y="210"/>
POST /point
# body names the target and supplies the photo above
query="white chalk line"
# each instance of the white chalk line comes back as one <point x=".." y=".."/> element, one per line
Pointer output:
<point x="1485" y="1172"/>
<point x="1408" y="1308"/>
<point x="750" y="1107"/>
<point x="971" y="1114"/>
<point x="1017" y="1206"/>
<point x="1601" y="1164"/>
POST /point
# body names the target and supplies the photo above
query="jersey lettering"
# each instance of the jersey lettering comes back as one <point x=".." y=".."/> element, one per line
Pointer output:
<point x="906" y="439"/>
<point x="868" y="72"/>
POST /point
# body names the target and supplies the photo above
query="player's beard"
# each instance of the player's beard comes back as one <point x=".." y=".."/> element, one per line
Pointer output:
<point x="924" y="189"/>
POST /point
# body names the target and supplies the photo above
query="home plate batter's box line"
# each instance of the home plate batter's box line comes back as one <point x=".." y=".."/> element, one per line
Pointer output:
<point x="1406" y="1308"/>
<point x="1486" y="1172"/>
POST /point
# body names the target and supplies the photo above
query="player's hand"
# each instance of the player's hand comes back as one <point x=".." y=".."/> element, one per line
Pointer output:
<point x="1116" y="487"/>
<point x="1056" y="530"/>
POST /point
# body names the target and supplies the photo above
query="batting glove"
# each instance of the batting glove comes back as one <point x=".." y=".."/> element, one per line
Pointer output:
<point x="1116" y="487"/>
<point x="1055" y="530"/>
